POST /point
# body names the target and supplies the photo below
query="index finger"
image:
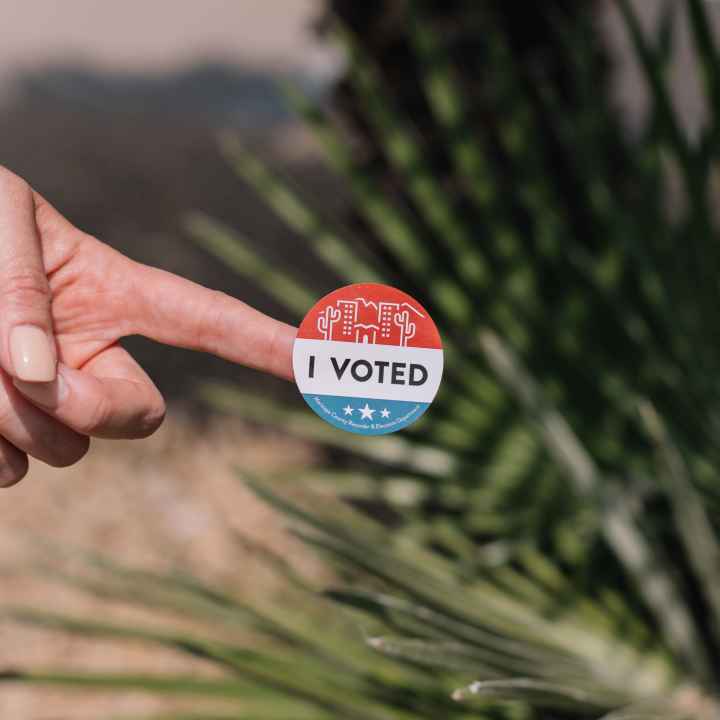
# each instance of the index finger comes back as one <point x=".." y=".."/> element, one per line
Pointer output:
<point x="176" y="311"/>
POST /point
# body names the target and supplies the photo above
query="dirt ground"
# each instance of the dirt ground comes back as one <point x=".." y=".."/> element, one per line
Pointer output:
<point x="156" y="503"/>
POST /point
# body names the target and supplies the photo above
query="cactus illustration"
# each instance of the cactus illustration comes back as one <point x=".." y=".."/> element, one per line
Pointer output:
<point x="326" y="320"/>
<point x="407" y="328"/>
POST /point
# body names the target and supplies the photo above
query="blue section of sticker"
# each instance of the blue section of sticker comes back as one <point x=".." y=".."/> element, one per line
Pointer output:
<point x="365" y="416"/>
<point x="368" y="359"/>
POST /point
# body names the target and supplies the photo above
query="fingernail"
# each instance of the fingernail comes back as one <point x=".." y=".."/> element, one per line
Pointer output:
<point x="31" y="354"/>
<point x="45" y="394"/>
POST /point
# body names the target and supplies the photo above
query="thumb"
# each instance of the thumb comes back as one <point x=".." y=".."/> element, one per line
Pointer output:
<point x="176" y="311"/>
<point x="27" y="346"/>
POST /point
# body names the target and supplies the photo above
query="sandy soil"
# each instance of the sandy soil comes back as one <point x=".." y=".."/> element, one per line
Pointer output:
<point x="157" y="503"/>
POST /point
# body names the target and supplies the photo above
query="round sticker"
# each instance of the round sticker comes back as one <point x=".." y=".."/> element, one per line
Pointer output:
<point x="368" y="359"/>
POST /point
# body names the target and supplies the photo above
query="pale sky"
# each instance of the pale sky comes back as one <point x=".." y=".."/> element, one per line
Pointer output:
<point x="159" y="34"/>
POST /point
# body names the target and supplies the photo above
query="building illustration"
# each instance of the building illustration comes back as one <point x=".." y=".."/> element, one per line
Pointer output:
<point x="374" y="323"/>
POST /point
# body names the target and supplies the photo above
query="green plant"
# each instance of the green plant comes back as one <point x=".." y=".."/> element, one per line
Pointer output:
<point x="552" y="545"/>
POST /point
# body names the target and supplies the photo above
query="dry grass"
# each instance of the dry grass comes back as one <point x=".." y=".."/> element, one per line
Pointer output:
<point x="156" y="503"/>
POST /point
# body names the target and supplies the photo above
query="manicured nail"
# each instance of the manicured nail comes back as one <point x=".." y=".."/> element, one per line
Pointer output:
<point x="31" y="354"/>
<point x="46" y="394"/>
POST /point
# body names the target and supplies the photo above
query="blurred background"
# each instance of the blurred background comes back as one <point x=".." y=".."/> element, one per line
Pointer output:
<point x="113" y="114"/>
<point x="112" y="111"/>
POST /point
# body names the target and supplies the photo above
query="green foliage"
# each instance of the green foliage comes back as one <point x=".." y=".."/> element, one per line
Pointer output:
<point x="553" y="549"/>
<point x="431" y="632"/>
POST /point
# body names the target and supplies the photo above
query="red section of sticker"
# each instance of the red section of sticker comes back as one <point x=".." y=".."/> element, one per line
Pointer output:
<point x="373" y="314"/>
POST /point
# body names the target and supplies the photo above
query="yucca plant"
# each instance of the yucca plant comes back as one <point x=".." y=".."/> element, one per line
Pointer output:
<point x="548" y="545"/>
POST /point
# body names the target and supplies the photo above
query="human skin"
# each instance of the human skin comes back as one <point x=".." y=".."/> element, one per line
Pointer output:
<point x="66" y="299"/>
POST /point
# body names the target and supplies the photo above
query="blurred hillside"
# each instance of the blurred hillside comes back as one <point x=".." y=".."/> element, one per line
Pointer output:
<point x="127" y="155"/>
<point x="112" y="114"/>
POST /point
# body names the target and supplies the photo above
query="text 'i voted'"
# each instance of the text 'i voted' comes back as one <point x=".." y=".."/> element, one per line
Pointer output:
<point x="368" y="359"/>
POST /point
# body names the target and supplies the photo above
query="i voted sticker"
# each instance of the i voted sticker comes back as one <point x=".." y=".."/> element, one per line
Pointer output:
<point x="368" y="359"/>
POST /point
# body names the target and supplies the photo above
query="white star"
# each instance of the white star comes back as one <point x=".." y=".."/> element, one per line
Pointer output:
<point x="385" y="413"/>
<point x="348" y="410"/>
<point x="366" y="412"/>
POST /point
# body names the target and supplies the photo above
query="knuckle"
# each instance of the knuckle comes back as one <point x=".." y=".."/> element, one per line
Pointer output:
<point x="25" y="287"/>
<point x="208" y="325"/>
<point x="7" y="414"/>
<point x="97" y="418"/>
<point x="153" y="416"/>
<point x="12" y="470"/>
<point x="10" y="182"/>
<point x="69" y="453"/>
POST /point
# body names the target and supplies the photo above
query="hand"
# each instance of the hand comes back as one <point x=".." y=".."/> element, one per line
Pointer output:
<point x="65" y="301"/>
